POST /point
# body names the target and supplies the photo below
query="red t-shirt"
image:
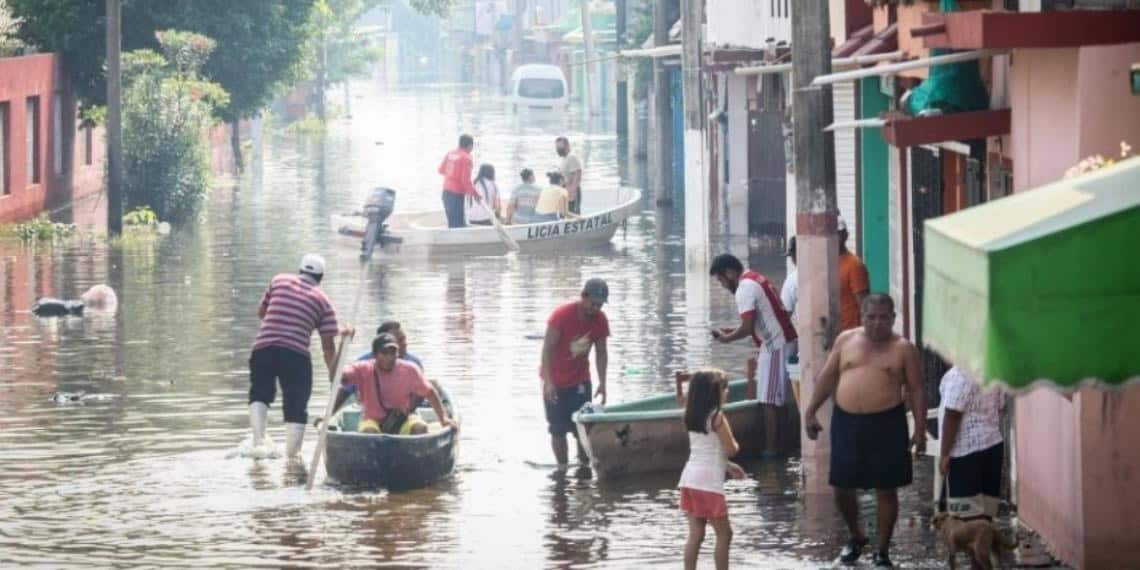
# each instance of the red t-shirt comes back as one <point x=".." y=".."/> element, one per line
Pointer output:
<point x="571" y="368"/>
<point x="456" y="170"/>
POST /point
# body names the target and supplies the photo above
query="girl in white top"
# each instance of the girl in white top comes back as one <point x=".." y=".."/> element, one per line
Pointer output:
<point x="489" y="191"/>
<point x="711" y="443"/>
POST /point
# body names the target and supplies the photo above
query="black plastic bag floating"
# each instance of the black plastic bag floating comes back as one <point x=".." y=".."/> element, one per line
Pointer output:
<point x="50" y="307"/>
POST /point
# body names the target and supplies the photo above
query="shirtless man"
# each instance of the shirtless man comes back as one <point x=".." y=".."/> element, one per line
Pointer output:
<point x="866" y="371"/>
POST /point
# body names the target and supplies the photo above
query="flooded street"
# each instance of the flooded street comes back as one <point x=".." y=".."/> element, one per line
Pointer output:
<point x="143" y="472"/>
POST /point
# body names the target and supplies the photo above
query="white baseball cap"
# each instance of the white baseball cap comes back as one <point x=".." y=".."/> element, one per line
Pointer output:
<point x="313" y="264"/>
<point x="840" y="224"/>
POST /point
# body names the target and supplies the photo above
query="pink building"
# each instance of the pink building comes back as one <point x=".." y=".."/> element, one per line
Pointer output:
<point x="46" y="158"/>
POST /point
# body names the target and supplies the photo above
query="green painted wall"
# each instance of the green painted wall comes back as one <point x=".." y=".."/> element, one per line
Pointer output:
<point x="874" y="185"/>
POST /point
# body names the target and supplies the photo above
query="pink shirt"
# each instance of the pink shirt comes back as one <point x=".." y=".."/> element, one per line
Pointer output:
<point x="294" y="307"/>
<point x="456" y="170"/>
<point x="396" y="386"/>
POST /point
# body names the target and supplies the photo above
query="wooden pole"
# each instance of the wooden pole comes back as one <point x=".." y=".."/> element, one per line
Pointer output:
<point x="696" y="183"/>
<point x="662" y="151"/>
<point x="818" y="308"/>
<point x="622" y="83"/>
<point x="590" y="72"/>
<point x="114" y="118"/>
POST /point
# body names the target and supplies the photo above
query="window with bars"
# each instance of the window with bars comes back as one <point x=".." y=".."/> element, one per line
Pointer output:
<point x="4" y="146"/>
<point x="57" y="134"/>
<point x="32" y="139"/>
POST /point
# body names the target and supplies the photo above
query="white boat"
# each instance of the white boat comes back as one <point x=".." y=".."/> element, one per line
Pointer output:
<point x="606" y="211"/>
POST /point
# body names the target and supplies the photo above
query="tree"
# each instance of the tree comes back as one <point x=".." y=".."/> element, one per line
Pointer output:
<point x="260" y="45"/>
<point x="339" y="51"/>
<point x="166" y="107"/>
<point x="432" y="7"/>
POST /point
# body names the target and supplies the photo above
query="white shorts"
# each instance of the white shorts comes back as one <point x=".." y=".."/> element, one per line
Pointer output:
<point x="772" y="385"/>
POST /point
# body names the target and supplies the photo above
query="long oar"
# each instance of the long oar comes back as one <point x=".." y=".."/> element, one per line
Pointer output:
<point x="334" y="382"/>
<point x="512" y="245"/>
<point x="322" y="432"/>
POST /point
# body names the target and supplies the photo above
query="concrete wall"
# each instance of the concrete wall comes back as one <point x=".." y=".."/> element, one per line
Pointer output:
<point x="1076" y="465"/>
<point x="748" y="23"/>
<point x="63" y="172"/>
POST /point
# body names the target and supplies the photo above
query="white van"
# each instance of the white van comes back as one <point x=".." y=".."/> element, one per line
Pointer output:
<point x="538" y="86"/>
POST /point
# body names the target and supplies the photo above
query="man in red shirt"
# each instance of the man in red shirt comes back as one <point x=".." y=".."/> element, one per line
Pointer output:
<point x="456" y="170"/>
<point x="571" y="331"/>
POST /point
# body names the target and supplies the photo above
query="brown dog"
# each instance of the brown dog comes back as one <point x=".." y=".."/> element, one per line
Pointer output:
<point x="978" y="537"/>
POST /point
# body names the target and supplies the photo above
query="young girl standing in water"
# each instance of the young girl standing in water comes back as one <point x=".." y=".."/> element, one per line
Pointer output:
<point x="711" y="443"/>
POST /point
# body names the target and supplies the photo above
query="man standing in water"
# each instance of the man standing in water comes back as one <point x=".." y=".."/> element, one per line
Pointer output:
<point x="456" y="170"/>
<point x="854" y="283"/>
<point x="762" y="317"/>
<point x="571" y="170"/>
<point x="571" y="331"/>
<point x="291" y="309"/>
<point x="867" y="370"/>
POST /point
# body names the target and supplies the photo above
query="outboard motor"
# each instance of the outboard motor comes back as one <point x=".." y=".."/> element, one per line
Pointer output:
<point x="379" y="206"/>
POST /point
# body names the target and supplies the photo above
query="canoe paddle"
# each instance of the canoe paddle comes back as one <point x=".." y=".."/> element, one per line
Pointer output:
<point x="334" y="381"/>
<point x="512" y="245"/>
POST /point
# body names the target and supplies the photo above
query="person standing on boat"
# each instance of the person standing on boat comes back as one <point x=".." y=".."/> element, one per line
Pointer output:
<point x="571" y="331"/>
<point x="524" y="198"/>
<point x="388" y="388"/>
<point x="868" y="370"/>
<point x="456" y="170"/>
<point x="486" y="189"/>
<point x="291" y="309"/>
<point x="762" y="317"/>
<point x="571" y="170"/>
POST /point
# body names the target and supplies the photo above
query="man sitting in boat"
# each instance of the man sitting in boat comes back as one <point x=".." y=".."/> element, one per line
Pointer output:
<point x="393" y="328"/>
<point x="386" y="387"/>
<point x="554" y="202"/>
<point x="520" y="208"/>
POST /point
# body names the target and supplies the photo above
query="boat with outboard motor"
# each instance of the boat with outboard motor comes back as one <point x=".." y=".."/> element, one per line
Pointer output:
<point x="377" y="227"/>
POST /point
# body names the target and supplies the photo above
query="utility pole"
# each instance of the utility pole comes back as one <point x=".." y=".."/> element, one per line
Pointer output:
<point x="622" y="107"/>
<point x="662" y="152"/>
<point x="696" y="183"/>
<point x="818" y="308"/>
<point x="114" y="117"/>
<point x="590" y="72"/>
<point x="517" y="35"/>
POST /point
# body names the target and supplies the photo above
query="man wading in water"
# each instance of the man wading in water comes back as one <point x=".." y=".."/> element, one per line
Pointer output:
<point x="570" y="332"/>
<point x="291" y="309"/>
<point x="867" y="370"/>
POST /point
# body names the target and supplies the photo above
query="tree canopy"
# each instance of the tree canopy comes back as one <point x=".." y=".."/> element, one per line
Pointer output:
<point x="259" y="44"/>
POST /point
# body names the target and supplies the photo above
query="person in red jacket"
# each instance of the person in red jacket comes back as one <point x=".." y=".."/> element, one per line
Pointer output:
<point x="456" y="170"/>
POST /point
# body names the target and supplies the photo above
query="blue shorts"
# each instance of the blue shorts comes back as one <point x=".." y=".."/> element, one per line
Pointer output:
<point x="559" y="414"/>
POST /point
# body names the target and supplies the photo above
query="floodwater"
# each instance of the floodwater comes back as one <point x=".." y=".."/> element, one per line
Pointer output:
<point x="143" y="472"/>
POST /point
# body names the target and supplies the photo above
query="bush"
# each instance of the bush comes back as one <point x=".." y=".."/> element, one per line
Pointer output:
<point x="39" y="229"/>
<point x="167" y="110"/>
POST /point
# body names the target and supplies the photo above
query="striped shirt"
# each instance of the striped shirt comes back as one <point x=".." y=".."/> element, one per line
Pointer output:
<point x="771" y="326"/>
<point x="294" y="307"/>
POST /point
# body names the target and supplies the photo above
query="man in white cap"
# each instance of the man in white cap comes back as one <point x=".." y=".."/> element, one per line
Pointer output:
<point x="291" y="309"/>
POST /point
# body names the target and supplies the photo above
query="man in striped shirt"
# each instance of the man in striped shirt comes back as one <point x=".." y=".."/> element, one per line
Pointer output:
<point x="291" y="309"/>
<point x="762" y="317"/>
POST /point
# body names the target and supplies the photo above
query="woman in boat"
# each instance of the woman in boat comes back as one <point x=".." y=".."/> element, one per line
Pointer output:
<point x="524" y="198"/>
<point x="489" y="191"/>
<point x="711" y="443"/>
<point x="554" y="202"/>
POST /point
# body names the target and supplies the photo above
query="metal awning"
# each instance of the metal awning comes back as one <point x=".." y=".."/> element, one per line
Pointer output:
<point x="873" y="123"/>
<point x="839" y="62"/>
<point x="671" y="50"/>
<point x="1029" y="288"/>
<point x="896" y="68"/>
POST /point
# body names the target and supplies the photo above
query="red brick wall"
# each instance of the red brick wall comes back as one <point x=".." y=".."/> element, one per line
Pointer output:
<point x="40" y="76"/>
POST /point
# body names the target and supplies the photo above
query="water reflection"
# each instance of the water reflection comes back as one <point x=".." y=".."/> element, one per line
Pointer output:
<point x="146" y="478"/>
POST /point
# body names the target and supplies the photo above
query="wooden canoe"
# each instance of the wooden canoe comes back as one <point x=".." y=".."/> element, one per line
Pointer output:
<point x="649" y="435"/>
<point x="395" y="462"/>
<point x="419" y="232"/>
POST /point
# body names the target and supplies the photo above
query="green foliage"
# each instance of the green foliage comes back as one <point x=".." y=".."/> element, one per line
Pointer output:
<point x="141" y="216"/>
<point x="167" y="108"/>
<point x="39" y="229"/>
<point x="640" y="29"/>
<point x="259" y="44"/>
<point x="309" y="125"/>
<point x="432" y="7"/>
<point x="337" y="50"/>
